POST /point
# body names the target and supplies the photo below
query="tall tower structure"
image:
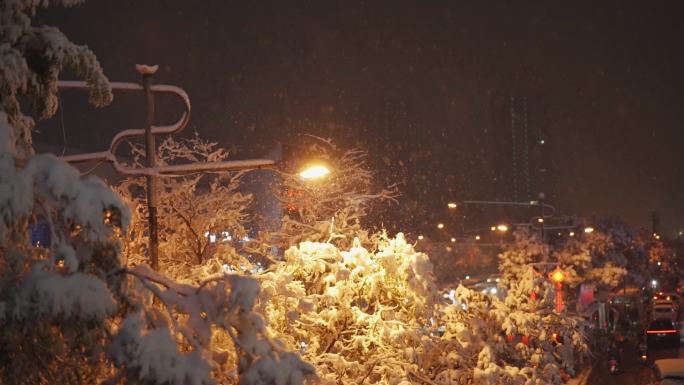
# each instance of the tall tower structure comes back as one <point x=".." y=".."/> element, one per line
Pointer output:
<point x="528" y="164"/>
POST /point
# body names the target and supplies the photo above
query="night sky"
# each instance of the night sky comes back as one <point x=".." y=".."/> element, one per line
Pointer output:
<point x="422" y="85"/>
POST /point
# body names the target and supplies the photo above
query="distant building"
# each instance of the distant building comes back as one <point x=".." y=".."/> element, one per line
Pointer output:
<point x="523" y="146"/>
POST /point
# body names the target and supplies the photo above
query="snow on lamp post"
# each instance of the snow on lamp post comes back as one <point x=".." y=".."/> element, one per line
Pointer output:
<point x="557" y="276"/>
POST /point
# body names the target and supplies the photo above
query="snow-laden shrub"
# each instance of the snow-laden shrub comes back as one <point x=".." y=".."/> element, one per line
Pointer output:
<point x="369" y="316"/>
<point x="517" y="340"/>
<point x="356" y="315"/>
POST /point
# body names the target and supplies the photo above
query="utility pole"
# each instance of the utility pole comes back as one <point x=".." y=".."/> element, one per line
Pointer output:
<point x="150" y="147"/>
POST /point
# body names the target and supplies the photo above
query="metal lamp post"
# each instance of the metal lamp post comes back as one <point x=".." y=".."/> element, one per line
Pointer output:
<point x="152" y="171"/>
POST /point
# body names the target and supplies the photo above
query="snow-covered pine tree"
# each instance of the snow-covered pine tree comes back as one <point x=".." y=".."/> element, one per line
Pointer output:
<point x="201" y="217"/>
<point x="70" y="311"/>
<point x="31" y="59"/>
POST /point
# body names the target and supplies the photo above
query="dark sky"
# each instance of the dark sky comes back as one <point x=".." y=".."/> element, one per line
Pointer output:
<point x="421" y="84"/>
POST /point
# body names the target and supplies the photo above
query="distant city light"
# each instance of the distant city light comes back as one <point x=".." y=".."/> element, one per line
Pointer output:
<point x="493" y="290"/>
<point x="588" y="230"/>
<point x="540" y="220"/>
<point x="440" y="225"/>
<point x="654" y="283"/>
<point x="502" y="228"/>
<point x="420" y="237"/>
<point x="453" y="239"/>
<point x="452" y="205"/>
<point x="542" y="141"/>
<point x="659" y="263"/>
<point x="493" y="228"/>
<point x="467" y="277"/>
<point x="572" y="234"/>
<point x="477" y="237"/>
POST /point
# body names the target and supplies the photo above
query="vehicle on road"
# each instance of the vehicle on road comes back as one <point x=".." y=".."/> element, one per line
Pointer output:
<point x="668" y="372"/>
<point x="664" y="311"/>
<point x="663" y="332"/>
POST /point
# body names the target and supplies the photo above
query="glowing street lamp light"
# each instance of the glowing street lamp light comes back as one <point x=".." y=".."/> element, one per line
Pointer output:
<point x="572" y="234"/>
<point x="420" y="237"/>
<point x="440" y="225"/>
<point x="317" y="171"/>
<point x="452" y="205"/>
<point x="588" y="230"/>
<point x="540" y="220"/>
<point x="453" y="239"/>
<point x="557" y="276"/>
<point x="477" y="237"/>
<point x="502" y="228"/>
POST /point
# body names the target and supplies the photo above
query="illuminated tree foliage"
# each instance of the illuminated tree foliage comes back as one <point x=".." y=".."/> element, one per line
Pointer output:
<point x="362" y="316"/>
<point x="520" y="256"/>
<point x="517" y="340"/>
<point x="200" y="217"/>
<point x="592" y="258"/>
<point x="356" y="315"/>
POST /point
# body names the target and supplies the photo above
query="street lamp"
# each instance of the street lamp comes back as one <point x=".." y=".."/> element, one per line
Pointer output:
<point x="588" y="230"/>
<point x="452" y="205"/>
<point x="502" y="228"/>
<point x="557" y="276"/>
<point x="316" y="171"/>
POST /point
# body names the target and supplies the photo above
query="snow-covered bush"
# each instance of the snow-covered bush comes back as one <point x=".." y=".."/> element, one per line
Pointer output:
<point x="520" y="256"/>
<point x="517" y="340"/>
<point x="592" y="258"/>
<point x="200" y="217"/>
<point x="356" y="315"/>
<point x="373" y="316"/>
